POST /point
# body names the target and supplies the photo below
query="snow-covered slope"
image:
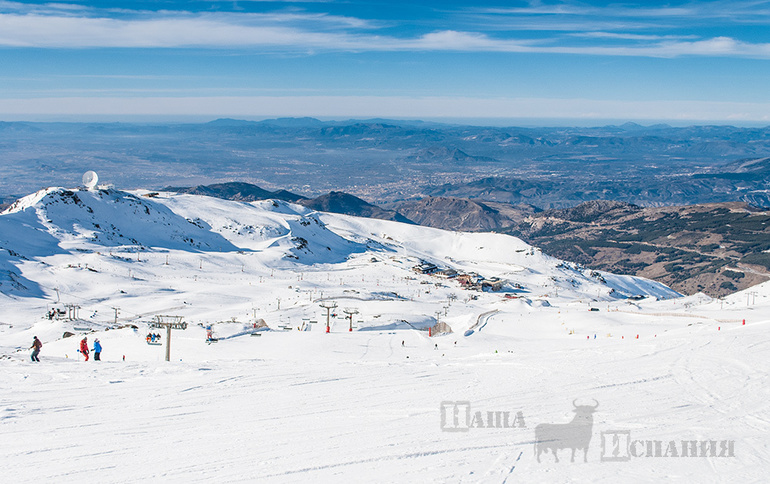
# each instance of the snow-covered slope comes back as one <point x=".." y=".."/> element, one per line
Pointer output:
<point x="210" y="260"/>
<point x="365" y="405"/>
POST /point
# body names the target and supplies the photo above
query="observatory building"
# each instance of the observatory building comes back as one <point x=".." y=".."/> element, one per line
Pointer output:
<point x="90" y="179"/>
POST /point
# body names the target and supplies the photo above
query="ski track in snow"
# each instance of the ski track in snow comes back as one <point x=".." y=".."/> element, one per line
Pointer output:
<point x="282" y="419"/>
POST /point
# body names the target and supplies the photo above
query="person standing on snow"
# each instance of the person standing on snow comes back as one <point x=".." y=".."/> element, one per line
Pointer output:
<point x="36" y="345"/>
<point x="97" y="349"/>
<point x="84" y="346"/>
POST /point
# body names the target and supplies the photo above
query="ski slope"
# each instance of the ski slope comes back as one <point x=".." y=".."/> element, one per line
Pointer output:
<point x="293" y="403"/>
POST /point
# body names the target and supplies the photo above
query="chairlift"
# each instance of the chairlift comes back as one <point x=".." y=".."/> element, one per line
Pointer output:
<point x="154" y="339"/>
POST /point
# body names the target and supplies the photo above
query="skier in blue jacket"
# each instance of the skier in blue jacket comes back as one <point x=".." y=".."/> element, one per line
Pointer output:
<point x="97" y="349"/>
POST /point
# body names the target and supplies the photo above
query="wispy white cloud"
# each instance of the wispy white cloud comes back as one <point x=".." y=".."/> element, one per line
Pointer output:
<point x="734" y="10"/>
<point x="44" y="8"/>
<point x="588" y="10"/>
<point x="450" y="40"/>
<point x="626" y="36"/>
<point x="538" y="24"/>
<point x="195" y="31"/>
<point x="304" y="32"/>
<point x="577" y="17"/>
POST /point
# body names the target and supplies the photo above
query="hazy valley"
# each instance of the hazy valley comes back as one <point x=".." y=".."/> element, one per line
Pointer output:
<point x="387" y="160"/>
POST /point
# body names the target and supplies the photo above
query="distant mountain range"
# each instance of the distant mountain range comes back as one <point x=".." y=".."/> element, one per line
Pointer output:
<point x="743" y="180"/>
<point x="333" y="202"/>
<point x="460" y="214"/>
<point x="713" y="248"/>
<point x="6" y="201"/>
<point x="238" y="191"/>
<point x="386" y="160"/>
<point x="443" y="153"/>
<point x="344" y="203"/>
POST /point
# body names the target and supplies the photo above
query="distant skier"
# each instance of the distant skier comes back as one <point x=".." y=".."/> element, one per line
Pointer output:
<point x="36" y="345"/>
<point x="84" y="347"/>
<point x="97" y="350"/>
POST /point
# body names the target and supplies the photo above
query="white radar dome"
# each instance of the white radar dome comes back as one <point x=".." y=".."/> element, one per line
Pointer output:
<point x="90" y="179"/>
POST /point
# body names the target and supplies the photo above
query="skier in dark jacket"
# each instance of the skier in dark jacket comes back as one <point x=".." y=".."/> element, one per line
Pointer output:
<point x="97" y="350"/>
<point x="84" y="346"/>
<point x="36" y="345"/>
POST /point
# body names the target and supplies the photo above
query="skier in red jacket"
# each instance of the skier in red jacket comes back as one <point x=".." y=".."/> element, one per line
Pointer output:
<point x="84" y="346"/>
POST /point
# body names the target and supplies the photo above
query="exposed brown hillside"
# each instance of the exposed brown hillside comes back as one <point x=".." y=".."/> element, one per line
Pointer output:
<point x="461" y="214"/>
<point x="713" y="248"/>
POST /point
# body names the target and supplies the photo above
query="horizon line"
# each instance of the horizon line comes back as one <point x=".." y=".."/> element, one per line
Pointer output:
<point x="475" y="121"/>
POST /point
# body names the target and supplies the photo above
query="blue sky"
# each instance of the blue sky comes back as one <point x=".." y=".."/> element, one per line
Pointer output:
<point x="580" y="62"/>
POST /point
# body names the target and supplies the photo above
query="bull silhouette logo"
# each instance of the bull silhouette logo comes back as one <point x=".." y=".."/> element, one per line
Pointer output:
<point x="573" y="435"/>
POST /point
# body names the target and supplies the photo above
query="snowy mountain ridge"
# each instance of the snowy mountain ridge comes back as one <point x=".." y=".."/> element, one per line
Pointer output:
<point x="276" y="233"/>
